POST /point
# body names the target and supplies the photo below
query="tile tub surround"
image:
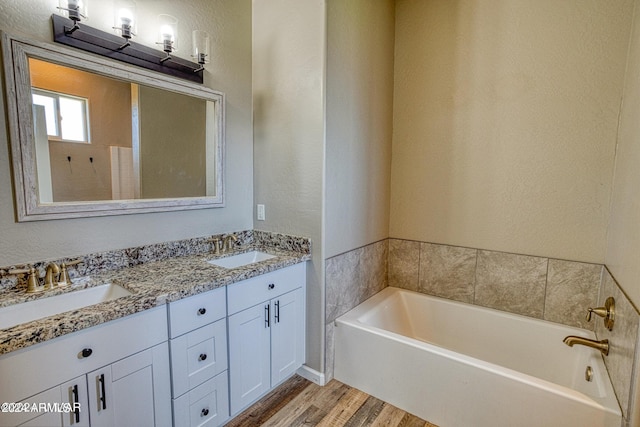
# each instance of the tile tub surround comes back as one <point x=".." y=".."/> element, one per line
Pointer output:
<point x="623" y="341"/>
<point x="550" y="289"/>
<point x="351" y="278"/>
<point x="152" y="283"/>
<point x="355" y="276"/>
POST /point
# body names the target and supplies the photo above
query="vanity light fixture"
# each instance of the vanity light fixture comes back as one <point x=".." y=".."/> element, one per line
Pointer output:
<point x="168" y="26"/>
<point x="75" y="10"/>
<point x="200" y="48"/>
<point x="67" y="31"/>
<point x="125" y="21"/>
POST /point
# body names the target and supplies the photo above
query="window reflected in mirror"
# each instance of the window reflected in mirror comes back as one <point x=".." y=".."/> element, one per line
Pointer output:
<point x="66" y="116"/>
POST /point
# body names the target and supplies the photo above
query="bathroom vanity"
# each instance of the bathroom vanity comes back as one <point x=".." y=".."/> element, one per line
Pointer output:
<point x="181" y="350"/>
<point x="112" y="374"/>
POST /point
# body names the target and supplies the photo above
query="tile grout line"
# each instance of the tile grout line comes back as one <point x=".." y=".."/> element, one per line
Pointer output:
<point x="546" y="283"/>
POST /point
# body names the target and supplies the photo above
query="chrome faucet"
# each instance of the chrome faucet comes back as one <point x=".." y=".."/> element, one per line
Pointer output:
<point x="603" y="345"/>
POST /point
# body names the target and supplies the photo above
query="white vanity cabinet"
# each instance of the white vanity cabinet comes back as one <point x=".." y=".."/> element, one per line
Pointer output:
<point x="116" y="372"/>
<point x="266" y="332"/>
<point x="198" y="345"/>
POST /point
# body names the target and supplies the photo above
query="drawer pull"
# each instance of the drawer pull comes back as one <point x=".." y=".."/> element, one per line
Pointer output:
<point x="272" y="285"/>
<point x="204" y="412"/>
<point x="86" y="352"/>
<point x="202" y="357"/>
<point x="76" y="401"/>
<point x="202" y="311"/>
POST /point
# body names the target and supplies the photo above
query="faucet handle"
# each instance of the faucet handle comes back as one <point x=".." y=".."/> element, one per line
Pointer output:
<point x="74" y="262"/>
<point x="64" y="279"/>
<point x="600" y="311"/>
<point x="33" y="281"/>
<point x="607" y="312"/>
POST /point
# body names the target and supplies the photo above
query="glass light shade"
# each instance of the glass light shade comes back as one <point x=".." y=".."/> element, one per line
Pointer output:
<point x="200" y="46"/>
<point x="125" y="18"/>
<point x="75" y="10"/>
<point x="168" y="32"/>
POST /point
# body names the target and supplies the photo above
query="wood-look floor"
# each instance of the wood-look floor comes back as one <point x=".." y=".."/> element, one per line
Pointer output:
<point x="299" y="402"/>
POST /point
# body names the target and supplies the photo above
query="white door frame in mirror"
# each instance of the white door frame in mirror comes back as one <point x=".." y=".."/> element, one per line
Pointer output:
<point x="16" y="52"/>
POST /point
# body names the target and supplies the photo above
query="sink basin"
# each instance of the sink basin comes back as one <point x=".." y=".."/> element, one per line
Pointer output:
<point x="49" y="306"/>
<point x="240" y="260"/>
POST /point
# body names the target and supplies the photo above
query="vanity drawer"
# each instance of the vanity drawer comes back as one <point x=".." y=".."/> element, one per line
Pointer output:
<point x="198" y="356"/>
<point x="55" y="361"/>
<point x="196" y="311"/>
<point x="245" y="294"/>
<point x="205" y="405"/>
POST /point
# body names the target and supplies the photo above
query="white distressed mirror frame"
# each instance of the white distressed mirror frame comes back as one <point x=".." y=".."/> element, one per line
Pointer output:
<point x="15" y="52"/>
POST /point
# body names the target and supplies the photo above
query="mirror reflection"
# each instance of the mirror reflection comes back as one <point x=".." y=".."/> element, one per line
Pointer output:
<point x="99" y="138"/>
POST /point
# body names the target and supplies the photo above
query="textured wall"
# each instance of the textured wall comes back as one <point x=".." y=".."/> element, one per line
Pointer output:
<point x="229" y="24"/>
<point x="360" y="36"/>
<point x="624" y="233"/>
<point x="288" y="97"/>
<point x="623" y="246"/>
<point x="505" y="117"/>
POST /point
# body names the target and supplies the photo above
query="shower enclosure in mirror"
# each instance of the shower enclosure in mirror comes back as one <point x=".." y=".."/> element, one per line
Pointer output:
<point x="92" y="137"/>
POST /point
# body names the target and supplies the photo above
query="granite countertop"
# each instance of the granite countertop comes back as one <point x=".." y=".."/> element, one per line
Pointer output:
<point x="152" y="284"/>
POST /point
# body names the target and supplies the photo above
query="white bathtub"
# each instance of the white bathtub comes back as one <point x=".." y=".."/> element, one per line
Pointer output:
<point x="456" y="364"/>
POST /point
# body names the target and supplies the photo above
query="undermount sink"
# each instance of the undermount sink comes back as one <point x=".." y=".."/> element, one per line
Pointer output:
<point x="240" y="260"/>
<point x="49" y="306"/>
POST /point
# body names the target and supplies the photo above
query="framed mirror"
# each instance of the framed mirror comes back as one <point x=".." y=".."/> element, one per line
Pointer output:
<point x="95" y="137"/>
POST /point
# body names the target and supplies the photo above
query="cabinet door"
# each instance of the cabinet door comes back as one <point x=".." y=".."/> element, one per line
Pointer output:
<point x="76" y="394"/>
<point x="47" y="419"/>
<point x="287" y="335"/>
<point x="134" y="391"/>
<point x="142" y="389"/>
<point x="100" y="397"/>
<point x="249" y="355"/>
<point x="33" y="419"/>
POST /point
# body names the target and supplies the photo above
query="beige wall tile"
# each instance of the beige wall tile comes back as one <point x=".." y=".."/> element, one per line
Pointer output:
<point x="404" y="262"/>
<point x="342" y="283"/>
<point x="352" y="278"/>
<point x="572" y="287"/>
<point x="513" y="283"/>
<point x="447" y="271"/>
<point x="622" y="340"/>
<point x="374" y="269"/>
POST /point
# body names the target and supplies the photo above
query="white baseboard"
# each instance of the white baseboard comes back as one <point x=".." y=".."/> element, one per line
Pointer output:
<point x="311" y="374"/>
